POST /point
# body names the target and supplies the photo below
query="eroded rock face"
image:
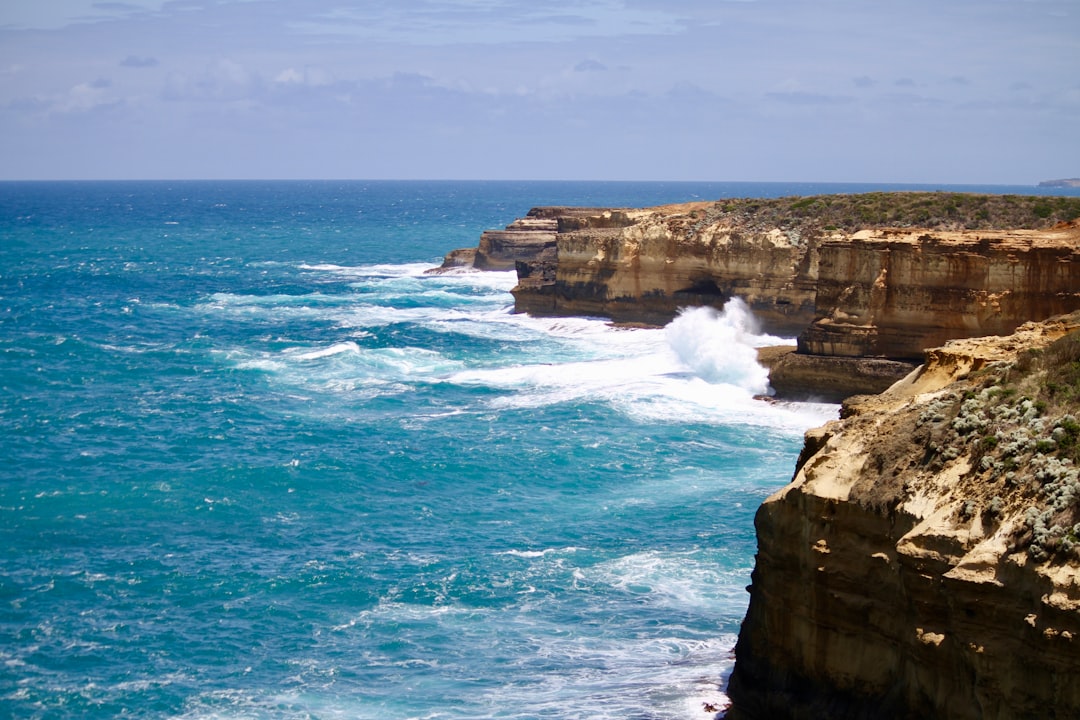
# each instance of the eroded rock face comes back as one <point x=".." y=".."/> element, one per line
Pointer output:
<point x="910" y="570"/>
<point x="894" y="293"/>
<point x="826" y="378"/>
<point x="524" y="239"/>
<point x="530" y="239"/>
<point x="806" y="268"/>
<point x="888" y="293"/>
<point x="644" y="265"/>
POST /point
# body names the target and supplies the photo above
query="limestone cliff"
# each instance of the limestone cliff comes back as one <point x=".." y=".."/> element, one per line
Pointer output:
<point x="877" y="275"/>
<point x="528" y="239"/>
<point x="876" y="266"/>
<point x="925" y="560"/>
<point x="893" y="293"/>
<point x="644" y="265"/>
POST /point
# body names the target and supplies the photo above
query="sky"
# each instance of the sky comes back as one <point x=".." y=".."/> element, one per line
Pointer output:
<point x="898" y="91"/>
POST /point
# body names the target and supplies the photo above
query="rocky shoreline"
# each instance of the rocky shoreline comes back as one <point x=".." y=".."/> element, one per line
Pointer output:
<point x="925" y="559"/>
<point x="866" y="282"/>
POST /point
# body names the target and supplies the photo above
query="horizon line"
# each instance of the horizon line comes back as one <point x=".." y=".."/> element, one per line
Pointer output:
<point x="534" y="180"/>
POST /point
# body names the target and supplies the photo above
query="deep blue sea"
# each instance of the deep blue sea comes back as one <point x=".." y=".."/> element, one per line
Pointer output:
<point x="257" y="464"/>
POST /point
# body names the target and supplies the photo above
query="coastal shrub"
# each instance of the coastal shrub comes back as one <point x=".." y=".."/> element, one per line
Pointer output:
<point x="1045" y="446"/>
<point x="1064" y="351"/>
<point x="1017" y="429"/>
<point x="933" y="210"/>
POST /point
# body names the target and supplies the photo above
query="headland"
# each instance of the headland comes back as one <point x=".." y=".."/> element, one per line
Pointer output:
<point x="925" y="559"/>
<point x="866" y="282"/>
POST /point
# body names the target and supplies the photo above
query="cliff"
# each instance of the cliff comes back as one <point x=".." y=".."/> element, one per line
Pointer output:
<point x="1063" y="183"/>
<point x="925" y="560"/>
<point x="876" y="275"/>
<point x="528" y="239"/>
<point x="895" y="292"/>
<point x="644" y="265"/>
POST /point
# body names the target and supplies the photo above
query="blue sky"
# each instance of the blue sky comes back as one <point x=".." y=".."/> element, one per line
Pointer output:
<point x="940" y="91"/>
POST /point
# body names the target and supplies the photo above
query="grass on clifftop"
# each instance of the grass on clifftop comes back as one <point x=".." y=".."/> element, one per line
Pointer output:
<point x="932" y="210"/>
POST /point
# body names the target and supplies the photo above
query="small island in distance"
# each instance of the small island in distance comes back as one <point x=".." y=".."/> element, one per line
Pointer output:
<point x="1063" y="183"/>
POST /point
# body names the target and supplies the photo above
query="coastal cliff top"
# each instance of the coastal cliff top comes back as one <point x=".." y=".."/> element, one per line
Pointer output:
<point x="929" y="210"/>
<point x="940" y="211"/>
<point x="1062" y="234"/>
<point x="993" y="424"/>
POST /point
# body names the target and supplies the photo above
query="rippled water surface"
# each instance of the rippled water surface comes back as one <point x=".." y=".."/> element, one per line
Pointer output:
<point x="258" y="464"/>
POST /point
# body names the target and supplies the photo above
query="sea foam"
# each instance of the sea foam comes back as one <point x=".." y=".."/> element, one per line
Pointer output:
<point x="720" y="347"/>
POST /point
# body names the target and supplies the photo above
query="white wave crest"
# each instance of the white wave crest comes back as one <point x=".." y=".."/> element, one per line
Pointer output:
<point x="720" y="347"/>
<point x="533" y="554"/>
<point x="703" y="365"/>
<point x="382" y="270"/>
<point x="337" y="349"/>
<point x="673" y="579"/>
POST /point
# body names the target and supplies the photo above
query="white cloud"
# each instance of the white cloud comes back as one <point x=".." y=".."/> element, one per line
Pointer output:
<point x="309" y="77"/>
<point x="431" y="22"/>
<point x="222" y="80"/>
<point x="82" y="98"/>
<point x="289" y="76"/>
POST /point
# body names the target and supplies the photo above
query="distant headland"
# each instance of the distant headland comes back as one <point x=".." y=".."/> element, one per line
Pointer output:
<point x="1063" y="183"/>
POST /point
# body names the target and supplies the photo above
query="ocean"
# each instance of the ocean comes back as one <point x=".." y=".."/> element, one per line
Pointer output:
<point x="258" y="464"/>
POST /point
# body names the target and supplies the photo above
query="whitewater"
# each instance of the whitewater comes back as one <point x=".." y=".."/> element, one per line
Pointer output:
<point x="257" y="463"/>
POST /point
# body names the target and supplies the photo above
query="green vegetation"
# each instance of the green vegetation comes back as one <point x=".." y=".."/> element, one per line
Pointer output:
<point x="1017" y="426"/>
<point x="932" y="210"/>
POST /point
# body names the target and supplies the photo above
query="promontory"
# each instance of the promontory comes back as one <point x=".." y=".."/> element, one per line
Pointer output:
<point x="924" y="562"/>
<point x="866" y="282"/>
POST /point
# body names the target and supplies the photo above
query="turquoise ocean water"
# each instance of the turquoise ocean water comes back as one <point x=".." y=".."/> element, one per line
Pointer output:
<point x="257" y="464"/>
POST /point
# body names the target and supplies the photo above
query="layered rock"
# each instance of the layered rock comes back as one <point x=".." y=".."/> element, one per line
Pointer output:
<point x="645" y="265"/>
<point x="528" y="239"/>
<point x="893" y="293"/>
<point x="924" y="560"/>
<point x="821" y="378"/>
<point x="524" y="239"/>
<point x="852" y="276"/>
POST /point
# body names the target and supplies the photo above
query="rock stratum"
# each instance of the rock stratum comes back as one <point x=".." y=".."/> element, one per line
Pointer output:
<point x="925" y="560"/>
<point x="879" y="276"/>
<point x="644" y="265"/>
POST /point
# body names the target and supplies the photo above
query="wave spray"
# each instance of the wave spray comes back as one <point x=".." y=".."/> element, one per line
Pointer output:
<point x="721" y="346"/>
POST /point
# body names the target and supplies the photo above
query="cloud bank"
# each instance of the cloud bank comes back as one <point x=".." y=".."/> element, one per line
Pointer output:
<point x="839" y="90"/>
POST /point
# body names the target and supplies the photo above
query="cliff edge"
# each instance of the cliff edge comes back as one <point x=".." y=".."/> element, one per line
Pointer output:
<point x="925" y="560"/>
<point x="867" y="282"/>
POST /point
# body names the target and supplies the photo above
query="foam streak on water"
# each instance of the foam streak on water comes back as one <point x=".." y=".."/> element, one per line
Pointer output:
<point x="259" y="467"/>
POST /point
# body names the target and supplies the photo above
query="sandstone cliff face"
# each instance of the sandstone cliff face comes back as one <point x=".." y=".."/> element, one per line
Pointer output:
<point x="810" y="268"/>
<point x="924" y="561"/>
<point x="884" y="292"/>
<point x="644" y="265"/>
<point x="822" y="378"/>
<point x="528" y="240"/>
<point x="894" y="293"/>
<point x="524" y="239"/>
